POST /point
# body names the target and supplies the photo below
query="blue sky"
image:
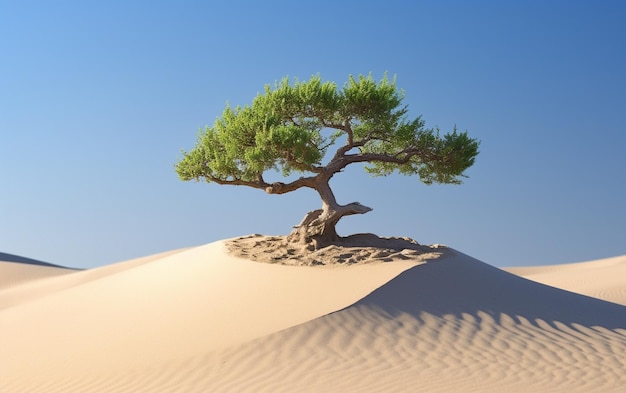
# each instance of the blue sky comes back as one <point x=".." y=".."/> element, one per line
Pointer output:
<point x="98" y="98"/>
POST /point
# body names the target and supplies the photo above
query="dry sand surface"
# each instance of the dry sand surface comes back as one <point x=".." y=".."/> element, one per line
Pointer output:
<point x="604" y="279"/>
<point x="426" y="319"/>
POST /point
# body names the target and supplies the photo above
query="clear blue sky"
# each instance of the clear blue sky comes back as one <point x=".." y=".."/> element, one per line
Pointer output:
<point x="97" y="99"/>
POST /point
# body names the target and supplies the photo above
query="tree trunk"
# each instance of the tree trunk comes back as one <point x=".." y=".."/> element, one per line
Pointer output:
<point x="317" y="229"/>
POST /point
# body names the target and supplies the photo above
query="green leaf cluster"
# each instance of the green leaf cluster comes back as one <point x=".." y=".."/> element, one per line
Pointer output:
<point x="434" y="158"/>
<point x="290" y="126"/>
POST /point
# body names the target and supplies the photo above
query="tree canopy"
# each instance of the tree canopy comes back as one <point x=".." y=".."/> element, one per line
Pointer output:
<point x="290" y="128"/>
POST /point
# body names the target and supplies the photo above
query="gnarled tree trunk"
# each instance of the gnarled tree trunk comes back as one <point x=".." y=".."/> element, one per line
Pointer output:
<point x="317" y="229"/>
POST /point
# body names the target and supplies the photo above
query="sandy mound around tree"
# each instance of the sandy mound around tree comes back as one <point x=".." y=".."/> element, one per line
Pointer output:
<point x="360" y="248"/>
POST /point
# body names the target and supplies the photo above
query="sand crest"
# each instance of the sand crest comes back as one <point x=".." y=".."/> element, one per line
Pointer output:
<point x="203" y="320"/>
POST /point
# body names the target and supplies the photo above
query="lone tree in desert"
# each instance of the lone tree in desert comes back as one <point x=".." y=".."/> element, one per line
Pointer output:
<point x="290" y="128"/>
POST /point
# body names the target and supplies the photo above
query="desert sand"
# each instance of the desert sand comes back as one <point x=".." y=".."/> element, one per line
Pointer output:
<point x="604" y="278"/>
<point x="202" y="319"/>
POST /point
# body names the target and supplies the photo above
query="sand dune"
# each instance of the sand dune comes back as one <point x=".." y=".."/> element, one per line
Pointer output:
<point x="4" y="257"/>
<point x="16" y="270"/>
<point x="604" y="279"/>
<point x="24" y="281"/>
<point x="200" y="320"/>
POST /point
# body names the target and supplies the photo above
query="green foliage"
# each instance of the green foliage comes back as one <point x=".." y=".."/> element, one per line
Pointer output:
<point x="289" y="127"/>
<point x="433" y="158"/>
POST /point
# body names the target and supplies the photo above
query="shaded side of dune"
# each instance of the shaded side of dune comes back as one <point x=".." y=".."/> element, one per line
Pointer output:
<point x="464" y="285"/>
<point x="454" y="324"/>
<point x="4" y="257"/>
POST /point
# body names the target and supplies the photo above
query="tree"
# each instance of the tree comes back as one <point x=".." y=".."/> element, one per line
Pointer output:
<point x="290" y="128"/>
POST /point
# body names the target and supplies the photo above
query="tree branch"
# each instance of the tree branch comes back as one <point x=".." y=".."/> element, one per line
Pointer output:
<point x="349" y="145"/>
<point x="350" y="133"/>
<point x="341" y="160"/>
<point x="282" y="188"/>
<point x="371" y="157"/>
<point x="270" y="188"/>
<point x="401" y="157"/>
<point x="343" y="127"/>
<point x="259" y="183"/>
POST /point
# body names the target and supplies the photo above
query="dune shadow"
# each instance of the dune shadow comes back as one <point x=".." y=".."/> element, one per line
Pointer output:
<point x="460" y="284"/>
<point x="4" y="257"/>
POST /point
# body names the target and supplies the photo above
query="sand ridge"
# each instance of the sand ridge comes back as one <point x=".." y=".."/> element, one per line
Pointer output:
<point x="22" y="282"/>
<point x="202" y="319"/>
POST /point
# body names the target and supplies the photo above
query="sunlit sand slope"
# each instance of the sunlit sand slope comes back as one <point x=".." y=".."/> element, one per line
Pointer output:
<point x="201" y="321"/>
<point x="16" y="270"/>
<point x="604" y="279"/>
